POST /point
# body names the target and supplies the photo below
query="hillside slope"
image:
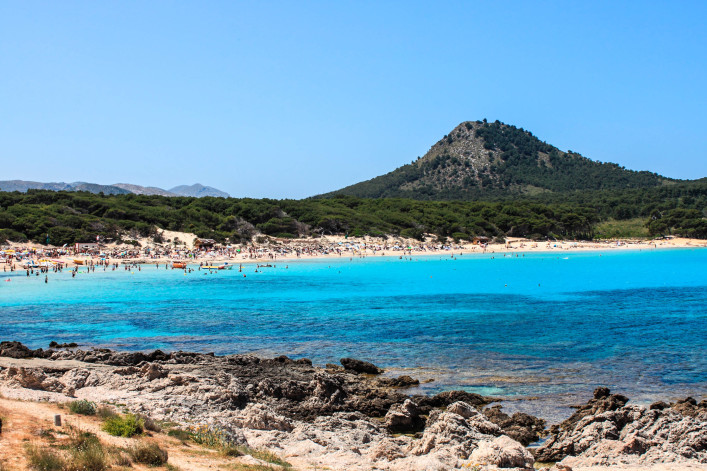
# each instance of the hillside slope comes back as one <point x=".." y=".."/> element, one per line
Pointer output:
<point x="480" y="159"/>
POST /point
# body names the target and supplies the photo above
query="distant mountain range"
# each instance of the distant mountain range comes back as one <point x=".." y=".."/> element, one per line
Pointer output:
<point x="197" y="190"/>
<point x="478" y="159"/>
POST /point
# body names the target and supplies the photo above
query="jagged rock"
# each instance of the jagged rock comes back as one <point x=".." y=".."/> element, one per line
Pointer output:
<point x="690" y="407"/>
<point x="328" y="415"/>
<point x="404" y="417"/>
<point x="328" y="388"/>
<point x="29" y="378"/>
<point x="130" y="370"/>
<point x="360" y="366"/>
<point x="503" y="452"/>
<point x="181" y="380"/>
<point x="521" y="427"/>
<point x="76" y="378"/>
<point x="603" y="401"/>
<point x="463" y="409"/>
<point x="35" y="378"/>
<point x="54" y="344"/>
<point x="456" y="433"/>
<point x="260" y="417"/>
<point x="400" y="382"/>
<point x="151" y="372"/>
<point x="18" y="350"/>
<point x="427" y="403"/>
<point x="628" y="434"/>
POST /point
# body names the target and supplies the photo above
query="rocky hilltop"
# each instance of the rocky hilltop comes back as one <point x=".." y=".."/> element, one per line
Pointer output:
<point x="480" y="159"/>
<point x="351" y="417"/>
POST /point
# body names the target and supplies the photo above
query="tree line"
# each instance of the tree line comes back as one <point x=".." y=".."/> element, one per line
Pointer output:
<point x="67" y="217"/>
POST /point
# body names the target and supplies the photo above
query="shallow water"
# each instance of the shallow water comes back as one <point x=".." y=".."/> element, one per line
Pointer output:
<point x="548" y="326"/>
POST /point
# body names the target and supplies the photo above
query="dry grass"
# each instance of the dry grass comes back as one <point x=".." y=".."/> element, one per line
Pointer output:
<point x="148" y="453"/>
<point x="40" y="458"/>
<point x="32" y="442"/>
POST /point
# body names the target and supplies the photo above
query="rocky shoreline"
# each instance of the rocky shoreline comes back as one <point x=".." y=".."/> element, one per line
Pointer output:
<point x="349" y="417"/>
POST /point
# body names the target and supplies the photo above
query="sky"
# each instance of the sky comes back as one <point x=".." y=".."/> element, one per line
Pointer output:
<point x="292" y="99"/>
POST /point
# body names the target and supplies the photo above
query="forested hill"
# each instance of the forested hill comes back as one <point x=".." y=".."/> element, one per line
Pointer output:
<point x="480" y="159"/>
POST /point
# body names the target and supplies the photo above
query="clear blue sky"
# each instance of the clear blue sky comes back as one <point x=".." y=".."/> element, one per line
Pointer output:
<point x="291" y="99"/>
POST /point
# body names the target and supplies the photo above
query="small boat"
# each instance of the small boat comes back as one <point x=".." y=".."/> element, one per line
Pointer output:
<point x="78" y="262"/>
<point x="214" y="267"/>
<point x="179" y="265"/>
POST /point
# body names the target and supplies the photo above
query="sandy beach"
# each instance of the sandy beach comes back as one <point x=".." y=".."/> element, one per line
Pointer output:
<point x="327" y="247"/>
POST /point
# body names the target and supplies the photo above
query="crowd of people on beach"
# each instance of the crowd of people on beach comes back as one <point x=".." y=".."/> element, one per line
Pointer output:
<point x="129" y="255"/>
<point x="36" y="260"/>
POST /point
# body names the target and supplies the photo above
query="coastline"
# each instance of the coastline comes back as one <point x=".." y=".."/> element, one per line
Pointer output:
<point x="349" y="417"/>
<point x="355" y="248"/>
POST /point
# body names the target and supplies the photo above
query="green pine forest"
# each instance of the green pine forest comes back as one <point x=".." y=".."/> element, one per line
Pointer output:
<point x="68" y="217"/>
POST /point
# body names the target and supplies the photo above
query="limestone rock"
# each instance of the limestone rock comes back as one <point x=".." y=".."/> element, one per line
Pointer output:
<point x="260" y="417"/>
<point x="76" y="378"/>
<point x="152" y="371"/>
<point x="521" y="427"/>
<point x="503" y="452"/>
<point x="404" y="417"/>
<point x="456" y="433"/>
<point x="427" y="403"/>
<point x="628" y="434"/>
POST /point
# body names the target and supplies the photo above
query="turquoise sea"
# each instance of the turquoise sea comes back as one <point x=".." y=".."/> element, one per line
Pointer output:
<point x="546" y="326"/>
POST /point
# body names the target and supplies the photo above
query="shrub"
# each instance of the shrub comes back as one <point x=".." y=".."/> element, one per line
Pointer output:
<point x="118" y="457"/>
<point x="83" y="407"/>
<point x="105" y="412"/>
<point x="460" y="236"/>
<point x="126" y="426"/>
<point x="43" y="459"/>
<point x="148" y="453"/>
<point x="149" y="424"/>
<point x="87" y="454"/>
